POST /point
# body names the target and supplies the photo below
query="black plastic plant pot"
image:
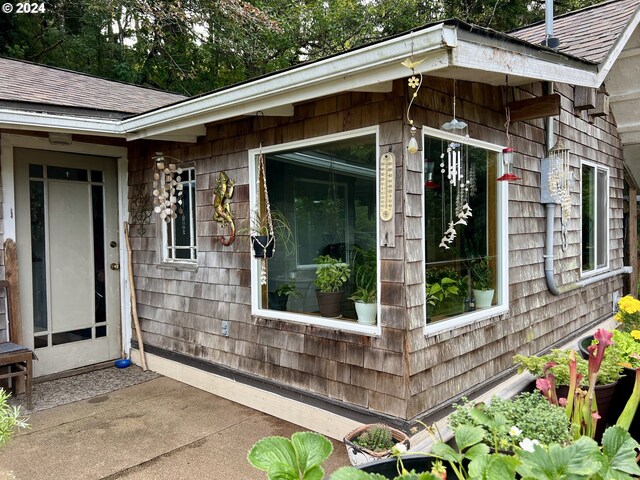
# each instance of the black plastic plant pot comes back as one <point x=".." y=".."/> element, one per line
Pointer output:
<point x="277" y="302"/>
<point x="388" y="468"/>
<point x="262" y="246"/>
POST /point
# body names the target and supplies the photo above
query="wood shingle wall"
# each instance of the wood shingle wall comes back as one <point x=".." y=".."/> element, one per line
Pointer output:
<point x="402" y="373"/>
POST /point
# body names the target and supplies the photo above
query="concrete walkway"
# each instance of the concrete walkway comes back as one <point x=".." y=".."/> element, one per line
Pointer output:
<point x="160" y="429"/>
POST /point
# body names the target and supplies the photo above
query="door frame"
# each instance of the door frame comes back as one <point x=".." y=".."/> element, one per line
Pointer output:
<point x="10" y="141"/>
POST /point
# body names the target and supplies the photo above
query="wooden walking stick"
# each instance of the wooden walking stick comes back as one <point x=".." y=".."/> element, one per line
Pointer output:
<point x="134" y="306"/>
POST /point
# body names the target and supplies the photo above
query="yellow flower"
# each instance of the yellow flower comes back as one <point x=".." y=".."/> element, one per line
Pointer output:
<point x="635" y="334"/>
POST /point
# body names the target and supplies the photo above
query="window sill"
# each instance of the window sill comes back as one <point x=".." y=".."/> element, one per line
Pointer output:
<point x="460" y="321"/>
<point x="180" y="266"/>
<point x="348" y="326"/>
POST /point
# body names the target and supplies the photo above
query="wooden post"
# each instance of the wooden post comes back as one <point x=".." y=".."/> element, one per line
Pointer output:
<point x="13" y="304"/>
<point x="134" y="305"/>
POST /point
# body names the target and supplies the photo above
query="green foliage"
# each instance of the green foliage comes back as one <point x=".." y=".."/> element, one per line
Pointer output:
<point x="10" y="418"/>
<point x="610" y="369"/>
<point x="259" y="225"/>
<point x="289" y="289"/>
<point x="365" y="275"/>
<point x="377" y="438"/>
<point x="482" y="274"/>
<point x="331" y="273"/>
<point x="534" y="416"/>
<point x="624" y="345"/>
<point x="300" y="458"/>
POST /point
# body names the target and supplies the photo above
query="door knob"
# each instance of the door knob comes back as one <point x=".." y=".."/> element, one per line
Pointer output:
<point x="115" y="266"/>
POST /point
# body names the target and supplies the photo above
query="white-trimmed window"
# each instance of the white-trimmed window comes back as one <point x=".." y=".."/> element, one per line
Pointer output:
<point x="179" y="234"/>
<point x="465" y="230"/>
<point x="326" y="189"/>
<point x="595" y="217"/>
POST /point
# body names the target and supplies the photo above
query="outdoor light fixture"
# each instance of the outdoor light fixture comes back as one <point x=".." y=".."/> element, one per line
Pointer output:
<point x="507" y="159"/>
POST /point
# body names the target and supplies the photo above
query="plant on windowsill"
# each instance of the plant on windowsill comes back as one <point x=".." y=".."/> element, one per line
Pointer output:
<point x="445" y="292"/>
<point x="365" y="280"/>
<point x="279" y="297"/>
<point x="331" y="275"/>
<point x="482" y="278"/>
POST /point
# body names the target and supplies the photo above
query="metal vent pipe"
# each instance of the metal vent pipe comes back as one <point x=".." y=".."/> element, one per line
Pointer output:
<point x="549" y="40"/>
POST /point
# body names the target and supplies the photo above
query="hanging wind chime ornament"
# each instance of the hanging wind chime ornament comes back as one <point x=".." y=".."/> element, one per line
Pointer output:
<point x="414" y="83"/>
<point x="167" y="187"/>
<point x="560" y="180"/>
<point x="454" y="125"/>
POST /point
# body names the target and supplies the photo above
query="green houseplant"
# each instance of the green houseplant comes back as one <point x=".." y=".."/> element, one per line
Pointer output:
<point x="372" y="442"/>
<point x="262" y="242"/>
<point x="331" y="275"/>
<point x="483" y="280"/>
<point x="365" y="280"/>
<point x="278" y="298"/>
<point x="445" y="291"/>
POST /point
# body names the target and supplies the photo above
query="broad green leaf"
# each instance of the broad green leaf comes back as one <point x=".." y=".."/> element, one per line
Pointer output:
<point x="619" y="454"/>
<point x="351" y="473"/>
<point x="501" y="467"/>
<point x="576" y="461"/>
<point x="311" y="449"/>
<point x="282" y="471"/>
<point x="467" y="436"/>
<point x="478" y="450"/>
<point x="446" y="453"/>
<point x="314" y="473"/>
<point x="272" y="450"/>
<point x="478" y="466"/>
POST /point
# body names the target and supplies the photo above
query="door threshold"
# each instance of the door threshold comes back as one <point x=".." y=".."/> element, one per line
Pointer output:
<point x="73" y="372"/>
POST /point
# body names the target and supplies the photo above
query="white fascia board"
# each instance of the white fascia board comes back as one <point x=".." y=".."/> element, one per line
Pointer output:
<point x="21" y="120"/>
<point x="475" y="55"/>
<point x="621" y="42"/>
<point x="377" y="63"/>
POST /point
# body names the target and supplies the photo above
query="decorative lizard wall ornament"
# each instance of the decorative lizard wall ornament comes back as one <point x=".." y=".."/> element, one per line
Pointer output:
<point x="221" y="209"/>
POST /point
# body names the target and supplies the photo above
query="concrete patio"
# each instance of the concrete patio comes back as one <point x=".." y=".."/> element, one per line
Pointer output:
<point x="154" y="430"/>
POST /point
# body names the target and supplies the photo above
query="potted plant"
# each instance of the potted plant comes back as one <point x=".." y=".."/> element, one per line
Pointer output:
<point x="279" y="297"/>
<point x="445" y="292"/>
<point x="373" y="442"/>
<point x="331" y="275"/>
<point x="260" y="233"/>
<point x="365" y="280"/>
<point x="482" y="278"/>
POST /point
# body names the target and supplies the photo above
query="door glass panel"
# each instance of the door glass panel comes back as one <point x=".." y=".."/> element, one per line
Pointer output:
<point x="98" y="251"/>
<point x="36" y="171"/>
<point x="101" y="331"/>
<point x="64" y="173"/>
<point x="588" y="220"/>
<point x="38" y="264"/>
<point x="96" y="176"/>
<point x="41" y="341"/>
<point x="601" y="216"/>
<point x="71" y="336"/>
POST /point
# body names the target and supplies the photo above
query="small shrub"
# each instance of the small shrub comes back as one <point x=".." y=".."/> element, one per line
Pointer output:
<point x="10" y="418"/>
<point x="377" y="438"/>
<point x="534" y="416"/>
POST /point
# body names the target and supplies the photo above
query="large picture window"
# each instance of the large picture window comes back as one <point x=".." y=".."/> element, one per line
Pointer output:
<point x="179" y="234"/>
<point x="463" y="210"/>
<point x="326" y="195"/>
<point x="595" y="217"/>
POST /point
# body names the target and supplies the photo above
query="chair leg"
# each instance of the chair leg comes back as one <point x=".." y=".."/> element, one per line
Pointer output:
<point x="29" y="382"/>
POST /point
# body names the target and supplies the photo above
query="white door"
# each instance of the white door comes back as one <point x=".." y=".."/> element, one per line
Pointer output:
<point x="68" y="257"/>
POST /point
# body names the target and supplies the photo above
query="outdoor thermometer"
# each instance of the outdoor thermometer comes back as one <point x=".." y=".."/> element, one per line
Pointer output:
<point x="387" y="186"/>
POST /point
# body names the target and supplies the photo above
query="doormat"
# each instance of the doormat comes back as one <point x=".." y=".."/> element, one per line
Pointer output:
<point x="66" y="390"/>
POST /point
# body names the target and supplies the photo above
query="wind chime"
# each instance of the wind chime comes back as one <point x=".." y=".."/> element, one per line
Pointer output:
<point x="460" y="175"/>
<point x="560" y="179"/>
<point x="167" y="187"/>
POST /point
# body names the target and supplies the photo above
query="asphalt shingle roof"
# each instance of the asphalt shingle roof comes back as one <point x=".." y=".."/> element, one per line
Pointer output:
<point x="39" y="84"/>
<point x="589" y="33"/>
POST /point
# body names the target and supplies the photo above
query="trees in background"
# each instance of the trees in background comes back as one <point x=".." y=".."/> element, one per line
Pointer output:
<point x="194" y="46"/>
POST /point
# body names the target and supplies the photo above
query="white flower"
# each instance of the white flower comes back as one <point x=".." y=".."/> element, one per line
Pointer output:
<point x="399" y="449"/>
<point x="515" y="431"/>
<point x="528" y="445"/>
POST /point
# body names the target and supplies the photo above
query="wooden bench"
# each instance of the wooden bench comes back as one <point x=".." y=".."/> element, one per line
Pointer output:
<point x="19" y="360"/>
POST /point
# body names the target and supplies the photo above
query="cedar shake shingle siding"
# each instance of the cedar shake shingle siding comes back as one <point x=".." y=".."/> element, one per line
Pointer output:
<point x="402" y="373"/>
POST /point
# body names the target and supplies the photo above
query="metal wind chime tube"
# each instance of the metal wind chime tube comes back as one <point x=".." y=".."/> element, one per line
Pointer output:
<point x="560" y="184"/>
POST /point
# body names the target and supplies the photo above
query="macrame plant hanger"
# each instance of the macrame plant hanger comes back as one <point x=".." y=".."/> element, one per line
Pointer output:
<point x="262" y="177"/>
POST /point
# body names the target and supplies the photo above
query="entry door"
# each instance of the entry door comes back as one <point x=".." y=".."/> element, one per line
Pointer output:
<point x="67" y="243"/>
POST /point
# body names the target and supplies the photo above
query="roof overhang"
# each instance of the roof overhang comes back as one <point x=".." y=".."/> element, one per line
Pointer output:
<point x="447" y="49"/>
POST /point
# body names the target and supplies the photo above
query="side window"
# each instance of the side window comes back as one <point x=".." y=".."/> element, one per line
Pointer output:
<point x="595" y="217"/>
<point x="462" y="212"/>
<point x="179" y="234"/>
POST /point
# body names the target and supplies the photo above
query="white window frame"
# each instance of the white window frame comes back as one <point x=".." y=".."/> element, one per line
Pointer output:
<point x="307" y="319"/>
<point x="167" y="257"/>
<point x="597" y="167"/>
<point x="502" y="243"/>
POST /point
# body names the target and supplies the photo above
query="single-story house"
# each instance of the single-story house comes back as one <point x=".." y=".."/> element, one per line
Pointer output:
<point x="445" y="160"/>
